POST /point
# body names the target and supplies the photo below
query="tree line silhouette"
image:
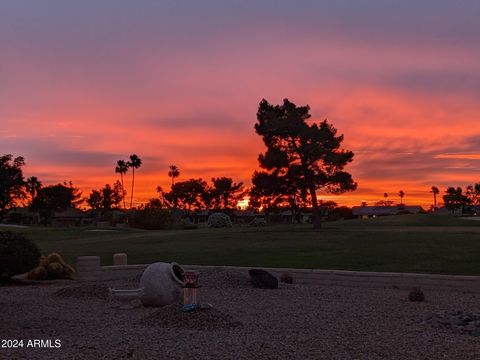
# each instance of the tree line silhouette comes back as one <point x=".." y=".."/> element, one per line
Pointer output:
<point x="301" y="158"/>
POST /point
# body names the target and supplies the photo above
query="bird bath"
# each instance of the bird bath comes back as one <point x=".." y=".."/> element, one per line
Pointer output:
<point x="126" y="297"/>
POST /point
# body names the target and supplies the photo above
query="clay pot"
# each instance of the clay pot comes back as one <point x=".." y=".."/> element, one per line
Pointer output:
<point x="162" y="284"/>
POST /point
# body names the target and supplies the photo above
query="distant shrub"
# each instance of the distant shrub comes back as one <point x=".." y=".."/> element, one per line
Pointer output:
<point x="184" y="224"/>
<point x="258" y="222"/>
<point x="219" y="220"/>
<point x="151" y="219"/>
<point x="17" y="254"/>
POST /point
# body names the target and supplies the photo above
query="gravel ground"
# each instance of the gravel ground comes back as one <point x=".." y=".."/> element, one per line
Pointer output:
<point x="293" y="322"/>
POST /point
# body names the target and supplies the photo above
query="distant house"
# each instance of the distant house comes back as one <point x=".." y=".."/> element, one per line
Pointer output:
<point x="304" y="216"/>
<point x="462" y="210"/>
<point x="70" y="217"/>
<point x="372" y="211"/>
<point x="246" y="216"/>
<point x="201" y="217"/>
<point x="22" y="216"/>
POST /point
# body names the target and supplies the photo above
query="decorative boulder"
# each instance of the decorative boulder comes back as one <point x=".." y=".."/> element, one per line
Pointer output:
<point x="262" y="279"/>
<point x="162" y="284"/>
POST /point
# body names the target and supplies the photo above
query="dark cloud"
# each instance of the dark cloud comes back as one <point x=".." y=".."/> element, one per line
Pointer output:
<point x="53" y="151"/>
<point x="216" y="121"/>
<point x="435" y="82"/>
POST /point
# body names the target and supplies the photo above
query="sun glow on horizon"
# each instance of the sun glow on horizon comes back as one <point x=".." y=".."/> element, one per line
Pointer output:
<point x="92" y="90"/>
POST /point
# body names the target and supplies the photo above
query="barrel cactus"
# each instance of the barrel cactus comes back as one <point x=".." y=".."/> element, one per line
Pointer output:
<point x="55" y="270"/>
<point x="51" y="267"/>
<point x="38" y="273"/>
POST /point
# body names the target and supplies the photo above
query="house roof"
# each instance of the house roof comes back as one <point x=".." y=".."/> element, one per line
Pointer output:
<point x="23" y="211"/>
<point x="384" y="210"/>
<point x="69" y="213"/>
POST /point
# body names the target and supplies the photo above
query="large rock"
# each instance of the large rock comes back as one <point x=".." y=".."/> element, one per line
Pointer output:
<point x="263" y="279"/>
<point x="162" y="284"/>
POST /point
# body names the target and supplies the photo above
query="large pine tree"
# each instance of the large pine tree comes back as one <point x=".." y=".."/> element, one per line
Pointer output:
<point x="303" y="157"/>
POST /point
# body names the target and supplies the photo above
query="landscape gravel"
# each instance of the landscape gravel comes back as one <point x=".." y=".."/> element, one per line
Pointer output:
<point x="296" y="321"/>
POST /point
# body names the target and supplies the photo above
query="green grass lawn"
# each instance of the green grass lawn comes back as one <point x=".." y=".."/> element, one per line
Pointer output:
<point x="410" y="243"/>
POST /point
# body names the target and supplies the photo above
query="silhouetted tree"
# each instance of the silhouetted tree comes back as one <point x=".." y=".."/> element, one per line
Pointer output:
<point x="401" y="194"/>
<point x="174" y="172"/>
<point x="54" y="198"/>
<point x="302" y="157"/>
<point x="161" y="196"/>
<point x="473" y="194"/>
<point x="95" y="200"/>
<point x="107" y="197"/>
<point x="117" y="194"/>
<point x="134" y="163"/>
<point x="435" y="192"/>
<point x="33" y="186"/>
<point x="385" y="196"/>
<point x="122" y="168"/>
<point x="454" y="199"/>
<point x="225" y="193"/>
<point x="187" y="195"/>
<point x="11" y="181"/>
<point x="267" y="191"/>
<point x="154" y="204"/>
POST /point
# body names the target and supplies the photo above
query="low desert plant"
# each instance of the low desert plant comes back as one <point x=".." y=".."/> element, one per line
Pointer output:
<point x="17" y="254"/>
<point x="219" y="220"/>
<point x="416" y="295"/>
<point x="151" y="219"/>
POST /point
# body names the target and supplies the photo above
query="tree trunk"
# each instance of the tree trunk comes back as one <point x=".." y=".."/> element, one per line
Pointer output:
<point x="123" y="191"/>
<point x="133" y="184"/>
<point x="316" y="217"/>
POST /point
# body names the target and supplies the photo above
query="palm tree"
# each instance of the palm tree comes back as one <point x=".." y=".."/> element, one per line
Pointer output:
<point x="122" y="168"/>
<point x="134" y="163"/>
<point x="33" y="186"/>
<point x="401" y="194"/>
<point x="435" y="192"/>
<point x="173" y="173"/>
<point x="385" y="195"/>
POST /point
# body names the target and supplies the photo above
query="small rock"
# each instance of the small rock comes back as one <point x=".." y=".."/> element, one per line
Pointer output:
<point x="475" y="332"/>
<point x="416" y="295"/>
<point x="286" y="278"/>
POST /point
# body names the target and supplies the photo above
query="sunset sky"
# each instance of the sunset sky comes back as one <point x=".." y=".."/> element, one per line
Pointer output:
<point x="86" y="83"/>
